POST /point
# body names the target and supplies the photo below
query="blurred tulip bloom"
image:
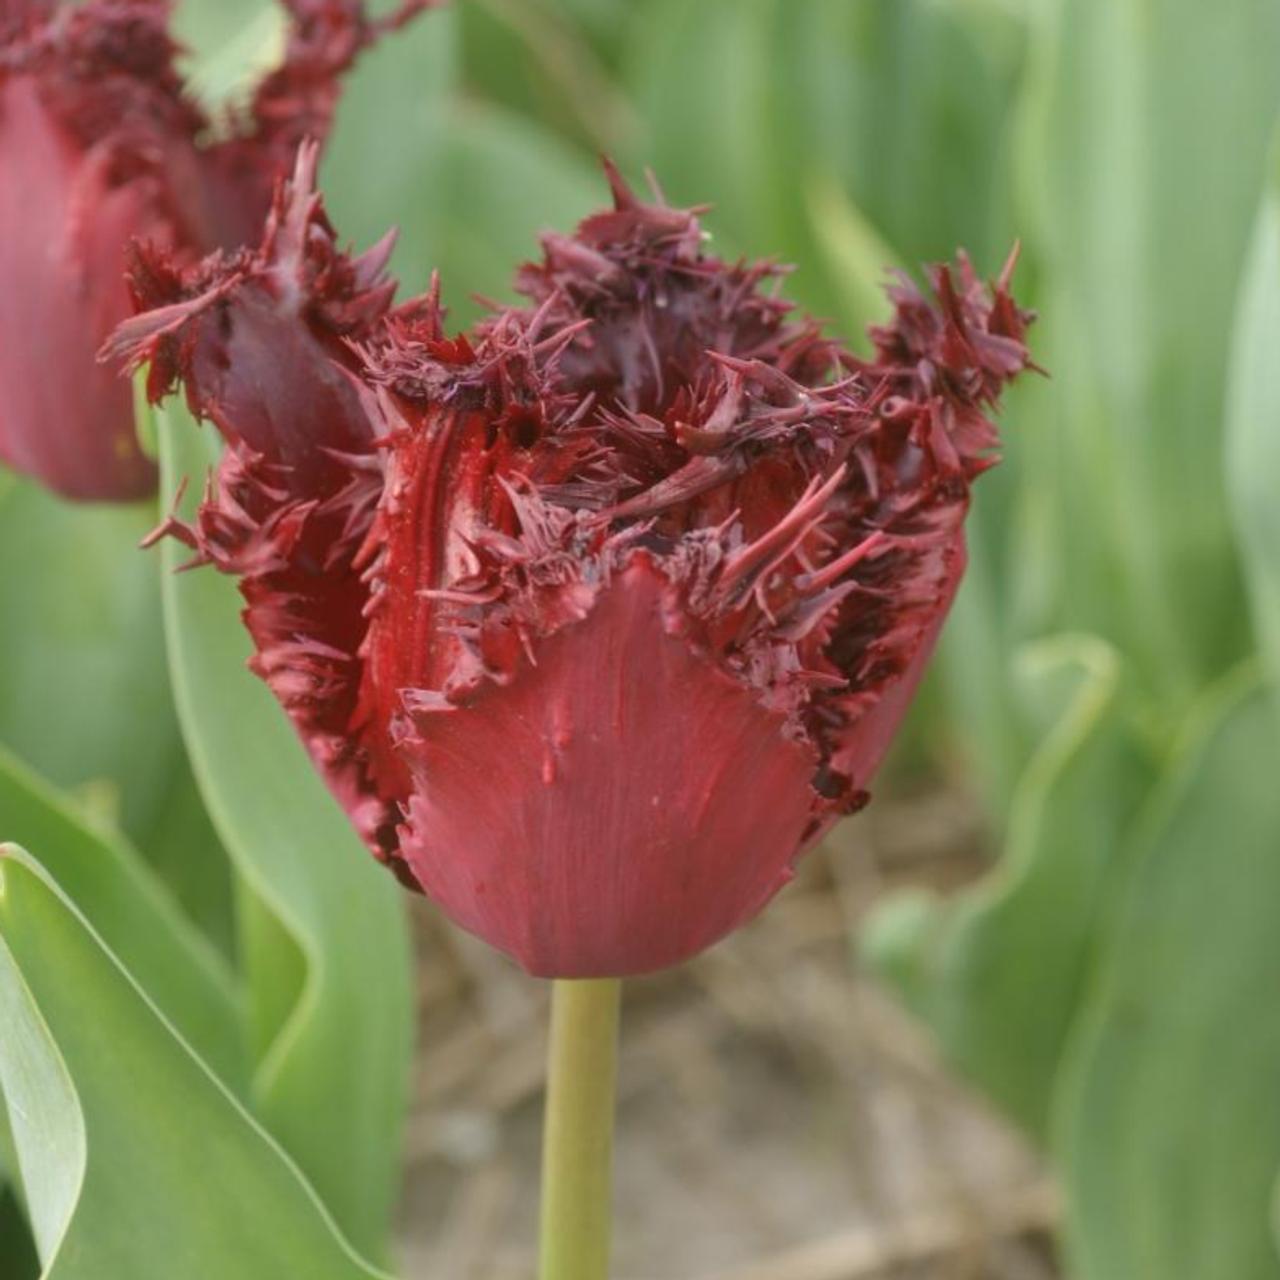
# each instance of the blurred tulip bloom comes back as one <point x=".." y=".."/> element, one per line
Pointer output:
<point x="98" y="145"/>
<point x="597" y="616"/>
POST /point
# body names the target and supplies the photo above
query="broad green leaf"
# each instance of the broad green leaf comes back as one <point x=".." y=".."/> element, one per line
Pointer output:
<point x="332" y="1083"/>
<point x="910" y="101"/>
<point x="84" y="693"/>
<point x="135" y="915"/>
<point x="1000" y="972"/>
<point x="1149" y="161"/>
<point x="1253" y="446"/>
<point x="467" y="185"/>
<point x="8" y="1161"/>
<point x="1168" y="1122"/>
<point x="973" y="670"/>
<point x="182" y="847"/>
<point x="1275" y="1213"/>
<point x="1253" y="425"/>
<point x="605" y="19"/>
<point x="1013" y="963"/>
<point x="1004" y="600"/>
<point x="46" y="1126"/>
<point x="137" y="1164"/>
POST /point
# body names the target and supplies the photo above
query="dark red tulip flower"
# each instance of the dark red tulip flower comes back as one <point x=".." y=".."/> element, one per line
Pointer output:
<point x="99" y="144"/>
<point x="599" y="615"/>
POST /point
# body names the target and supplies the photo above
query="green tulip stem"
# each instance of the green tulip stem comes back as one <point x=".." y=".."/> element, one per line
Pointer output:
<point x="577" y="1150"/>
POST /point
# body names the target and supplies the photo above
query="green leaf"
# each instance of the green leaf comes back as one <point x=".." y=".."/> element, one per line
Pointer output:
<point x="1253" y="424"/>
<point x="332" y="1082"/>
<point x="536" y="60"/>
<point x="1140" y="96"/>
<point x="1000" y="971"/>
<point x="860" y="260"/>
<point x="182" y="847"/>
<point x="701" y="76"/>
<point x="507" y="181"/>
<point x="494" y="186"/>
<point x="1275" y="1211"/>
<point x="1168" y="1123"/>
<point x="137" y="1164"/>
<point x="910" y="102"/>
<point x="135" y="915"/>
<point x="18" y="1259"/>
<point x="380" y="168"/>
<point x="83" y="694"/>
<point x="84" y="691"/>
<point x="998" y="607"/>
<point x="898" y="101"/>
<point x="468" y="185"/>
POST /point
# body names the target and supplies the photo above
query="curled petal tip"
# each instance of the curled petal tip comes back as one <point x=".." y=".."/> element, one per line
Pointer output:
<point x="623" y="196"/>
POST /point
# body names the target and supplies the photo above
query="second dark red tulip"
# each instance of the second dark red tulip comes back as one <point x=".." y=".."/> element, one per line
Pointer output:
<point x="100" y="145"/>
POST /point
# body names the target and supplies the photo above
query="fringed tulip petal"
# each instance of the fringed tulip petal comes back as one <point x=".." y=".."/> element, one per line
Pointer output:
<point x="261" y="342"/>
<point x="615" y="807"/>
<point x="647" y="570"/>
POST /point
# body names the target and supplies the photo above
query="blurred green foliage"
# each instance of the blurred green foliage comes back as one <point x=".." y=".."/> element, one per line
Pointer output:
<point x="1107" y="680"/>
<point x="84" y="696"/>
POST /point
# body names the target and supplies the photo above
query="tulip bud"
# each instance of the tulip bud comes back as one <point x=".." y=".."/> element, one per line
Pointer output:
<point x="598" y="616"/>
<point x="99" y="145"/>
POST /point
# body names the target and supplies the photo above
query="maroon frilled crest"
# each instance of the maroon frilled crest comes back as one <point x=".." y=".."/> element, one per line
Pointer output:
<point x="596" y="616"/>
<point x="99" y="144"/>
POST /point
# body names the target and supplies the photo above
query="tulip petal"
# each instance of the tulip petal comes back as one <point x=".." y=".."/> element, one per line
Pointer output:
<point x="63" y="418"/>
<point x="261" y="343"/>
<point x="100" y="145"/>
<point x="91" y="120"/>
<point x="618" y="806"/>
<point x="597" y="616"/>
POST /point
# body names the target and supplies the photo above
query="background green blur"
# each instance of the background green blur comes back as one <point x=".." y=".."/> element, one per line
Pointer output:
<point x="1106" y="680"/>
